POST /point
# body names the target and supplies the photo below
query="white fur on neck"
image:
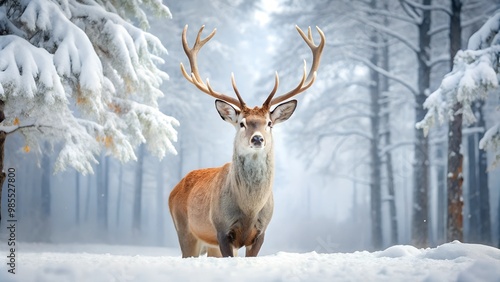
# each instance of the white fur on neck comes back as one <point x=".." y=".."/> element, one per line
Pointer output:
<point x="253" y="177"/>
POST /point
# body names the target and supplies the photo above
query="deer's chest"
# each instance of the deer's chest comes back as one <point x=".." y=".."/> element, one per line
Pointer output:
<point x="246" y="228"/>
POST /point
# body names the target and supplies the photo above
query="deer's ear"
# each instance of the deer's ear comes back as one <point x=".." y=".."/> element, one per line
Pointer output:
<point x="226" y="111"/>
<point x="283" y="111"/>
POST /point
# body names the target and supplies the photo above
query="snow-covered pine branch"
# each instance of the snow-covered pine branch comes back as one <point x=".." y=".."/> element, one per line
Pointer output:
<point x="475" y="73"/>
<point x="84" y="77"/>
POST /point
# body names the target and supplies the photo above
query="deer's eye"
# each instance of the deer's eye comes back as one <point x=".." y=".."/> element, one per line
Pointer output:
<point x="242" y="125"/>
<point x="269" y="124"/>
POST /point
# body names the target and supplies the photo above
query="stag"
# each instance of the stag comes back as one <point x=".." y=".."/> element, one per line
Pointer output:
<point x="219" y="210"/>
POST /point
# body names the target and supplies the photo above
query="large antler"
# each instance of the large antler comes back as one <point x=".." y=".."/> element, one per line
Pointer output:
<point x="307" y="79"/>
<point x="195" y="77"/>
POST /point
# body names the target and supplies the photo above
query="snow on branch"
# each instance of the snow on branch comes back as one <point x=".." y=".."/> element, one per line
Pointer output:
<point x="25" y="70"/>
<point x="74" y="55"/>
<point x="149" y="125"/>
<point x="125" y="7"/>
<point x="390" y="32"/>
<point x="384" y="73"/>
<point x="491" y="141"/>
<point x="475" y="74"/>
<point x="79" y="73"/>
<point x="472" y="77"/>
<point x="387" y="14"/>
<point x="423" y="7"/>
<point x="487" y="35"/>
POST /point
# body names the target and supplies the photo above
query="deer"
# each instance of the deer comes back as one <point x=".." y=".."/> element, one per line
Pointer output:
<point x="217" y="211"/>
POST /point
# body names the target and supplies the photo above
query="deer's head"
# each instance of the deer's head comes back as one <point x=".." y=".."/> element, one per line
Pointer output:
<point x="253" y="125"/>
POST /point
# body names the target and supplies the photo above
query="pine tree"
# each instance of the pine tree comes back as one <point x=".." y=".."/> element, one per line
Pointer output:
<point x="474" y="74"/>
<point x="82" y="75"/>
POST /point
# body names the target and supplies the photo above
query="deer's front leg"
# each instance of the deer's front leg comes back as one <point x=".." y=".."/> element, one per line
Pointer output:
<point x="253" y="250"/>
<point x="226" y="242"/>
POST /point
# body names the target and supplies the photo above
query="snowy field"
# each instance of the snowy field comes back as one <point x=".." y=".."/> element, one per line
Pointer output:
<point x="449" y="262"/>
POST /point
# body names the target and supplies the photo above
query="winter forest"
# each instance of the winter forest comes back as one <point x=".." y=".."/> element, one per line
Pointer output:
<point x="397" y="142"/>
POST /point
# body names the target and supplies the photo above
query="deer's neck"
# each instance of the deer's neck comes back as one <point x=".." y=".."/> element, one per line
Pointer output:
<point x="252" y="177"/>
<point x="255" y="170"/>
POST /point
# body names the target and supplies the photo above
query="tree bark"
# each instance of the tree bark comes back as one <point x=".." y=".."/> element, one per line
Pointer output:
<point x="441" y="192"/>
<point x="455" y="158"/>
<point x="420" y="220"/>
<point x="455" y="179"/>
<point x="375" y="165"/>
<point x="473" y="215"/>
<point x="386" y="124"/>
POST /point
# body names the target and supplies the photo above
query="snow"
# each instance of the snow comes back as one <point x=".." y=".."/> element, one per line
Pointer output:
<point x="448" y="262"/>
<point x="487" y="35"/>
<point x="76" y="74"/>
<point x="473" y="77"/>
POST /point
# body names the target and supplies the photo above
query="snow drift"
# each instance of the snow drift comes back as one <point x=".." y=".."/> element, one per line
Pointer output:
<point x="449" y="262"/>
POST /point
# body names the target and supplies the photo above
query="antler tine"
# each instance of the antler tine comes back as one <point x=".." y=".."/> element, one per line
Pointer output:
<point x="233" y="82"/>
<point x="305" y="83"/>
<point x="271" y="95"/>
<point x="195" y="77"/>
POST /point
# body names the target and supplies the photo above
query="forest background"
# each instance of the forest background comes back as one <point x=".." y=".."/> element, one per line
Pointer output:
<point x="353" y="171"/>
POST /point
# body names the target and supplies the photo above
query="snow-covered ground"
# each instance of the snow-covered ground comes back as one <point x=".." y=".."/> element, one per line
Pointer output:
<point x="449" y="262"/>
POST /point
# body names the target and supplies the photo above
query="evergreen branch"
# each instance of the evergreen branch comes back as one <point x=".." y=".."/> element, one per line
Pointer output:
<point x="9" y="129"/>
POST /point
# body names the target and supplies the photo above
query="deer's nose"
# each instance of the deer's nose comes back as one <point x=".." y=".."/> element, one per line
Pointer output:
<point x="257" y="140"/>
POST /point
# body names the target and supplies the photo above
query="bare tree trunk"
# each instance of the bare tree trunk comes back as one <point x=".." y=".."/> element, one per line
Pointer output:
<point x="77" y="198"/>
<point x="375" y="165"/>
<point x="87" y="199"/>
<point x="441" y="191"/>
<point x="120" y="192"/>
<point x="420" y="221"/>
<point x="455" y="180"/>
<point x="45" y="195"/>
<point x="479" y="202"/>
<point x="386" y="124"/>
<point x="473" y="215"/>
<point x="139" y="170"/>
<point x="160" y="204"/>
<point x="455" y="158"/>
<point x="482" y="175"/>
